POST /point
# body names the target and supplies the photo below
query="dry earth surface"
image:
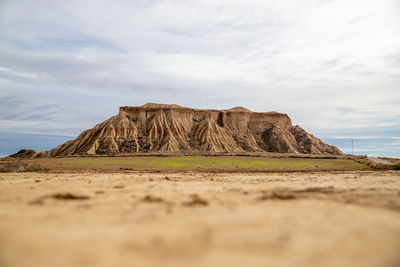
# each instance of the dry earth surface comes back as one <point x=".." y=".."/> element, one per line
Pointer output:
<point x="216" y="164"/>
<point x="86" y="218"/>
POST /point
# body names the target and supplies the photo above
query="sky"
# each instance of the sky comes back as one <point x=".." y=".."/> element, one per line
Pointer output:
<point x="332" y="65"/>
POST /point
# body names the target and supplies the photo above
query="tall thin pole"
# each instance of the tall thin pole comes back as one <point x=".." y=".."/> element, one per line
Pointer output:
<point x="352" y="147"/>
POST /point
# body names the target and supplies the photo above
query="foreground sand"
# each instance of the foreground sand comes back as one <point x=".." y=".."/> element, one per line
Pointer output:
<point x="198" y="219"/>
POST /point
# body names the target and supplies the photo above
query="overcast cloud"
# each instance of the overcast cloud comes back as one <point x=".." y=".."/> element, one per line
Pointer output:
<point x="333" y="66"/>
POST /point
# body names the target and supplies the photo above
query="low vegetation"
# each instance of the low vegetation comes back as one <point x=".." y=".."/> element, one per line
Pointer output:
<point x="19" y="166"/>
<point x="198" y="163"/>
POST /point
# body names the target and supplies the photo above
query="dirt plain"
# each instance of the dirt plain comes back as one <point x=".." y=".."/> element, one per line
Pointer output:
<point x="216" y="164"/>
<point x="88" y="217"/>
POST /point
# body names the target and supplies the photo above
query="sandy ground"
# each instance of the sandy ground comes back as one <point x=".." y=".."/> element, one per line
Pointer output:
<point x="193" y="219"/>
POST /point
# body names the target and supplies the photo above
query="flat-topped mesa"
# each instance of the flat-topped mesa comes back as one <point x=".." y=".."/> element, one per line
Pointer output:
<point x="237" y="117"/>
<point x="173" y="128"/>
<point x="153" y="106"/>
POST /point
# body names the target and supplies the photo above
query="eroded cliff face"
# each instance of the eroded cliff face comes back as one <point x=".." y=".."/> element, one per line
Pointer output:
<point x="172" y="128"/>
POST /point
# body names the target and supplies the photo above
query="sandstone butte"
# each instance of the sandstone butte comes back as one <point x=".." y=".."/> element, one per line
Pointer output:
<point x="173" y="128"/>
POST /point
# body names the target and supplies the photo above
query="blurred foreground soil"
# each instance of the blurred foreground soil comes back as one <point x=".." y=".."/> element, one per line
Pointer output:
<point x="345" y="218"/>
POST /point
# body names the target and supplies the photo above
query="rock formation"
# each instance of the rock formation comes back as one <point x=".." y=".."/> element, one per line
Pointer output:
<point x="172" y="128"/>
<point x="28" y="154"/>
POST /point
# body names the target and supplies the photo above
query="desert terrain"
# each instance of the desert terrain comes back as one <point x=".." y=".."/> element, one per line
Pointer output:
<point x="199" y="133"/>
<point x="210" y="211"/>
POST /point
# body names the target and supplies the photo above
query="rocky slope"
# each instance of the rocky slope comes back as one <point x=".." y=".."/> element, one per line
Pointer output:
<point x="172" y="128"/>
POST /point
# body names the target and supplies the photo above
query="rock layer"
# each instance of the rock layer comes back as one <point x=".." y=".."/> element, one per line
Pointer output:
<point x="173" y="128"/>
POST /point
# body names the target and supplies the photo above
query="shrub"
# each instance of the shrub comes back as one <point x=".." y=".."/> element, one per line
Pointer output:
<point x="20" y="166"/>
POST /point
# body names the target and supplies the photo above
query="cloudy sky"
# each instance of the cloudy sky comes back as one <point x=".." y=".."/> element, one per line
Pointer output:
<point x="332" y="65"/>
